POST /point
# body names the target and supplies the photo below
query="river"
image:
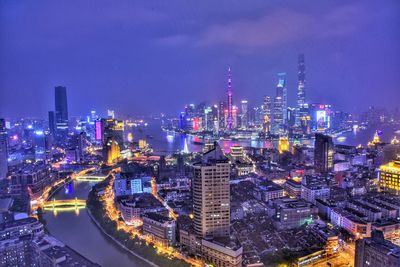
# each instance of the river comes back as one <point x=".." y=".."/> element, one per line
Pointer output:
<point x="167" y="144"/>
<point x="79" y="232"/>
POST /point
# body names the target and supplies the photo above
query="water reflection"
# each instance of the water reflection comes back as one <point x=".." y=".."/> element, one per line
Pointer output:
<point x="76" y="229"/>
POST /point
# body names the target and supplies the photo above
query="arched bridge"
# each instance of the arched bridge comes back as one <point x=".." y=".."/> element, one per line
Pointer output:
<point x="64" y="204"/>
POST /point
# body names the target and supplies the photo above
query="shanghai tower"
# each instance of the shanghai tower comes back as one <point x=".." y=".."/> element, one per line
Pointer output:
<point x="61" y="108"/>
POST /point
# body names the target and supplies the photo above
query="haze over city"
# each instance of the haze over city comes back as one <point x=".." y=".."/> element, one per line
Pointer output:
<point x="120" y="54"/>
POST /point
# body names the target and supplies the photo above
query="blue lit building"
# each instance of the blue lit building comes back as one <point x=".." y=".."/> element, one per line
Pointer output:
<point x="136" y="186"/>
<point x="321" y="115"/>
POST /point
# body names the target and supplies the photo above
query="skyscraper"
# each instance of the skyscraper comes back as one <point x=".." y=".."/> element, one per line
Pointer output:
<point x="52" y="123"/>
<point x="229" y="92"/>
<point x="3" y="150"/>
<point x="61" y="108"/>
<point x="323" y="153"/>
<point x="211" y="195"/>
<point x="244" y="114"/>
<point x="221" y="109"/>
<point x="281" y="91"/>
<point x="277" y="123"/>
<point x="301" y="93"/>
<point x="267" y="113"/>
<point x="280" y="106"/>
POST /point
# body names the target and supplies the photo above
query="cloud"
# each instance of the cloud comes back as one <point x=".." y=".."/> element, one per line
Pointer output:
<point x="277" y="27"/>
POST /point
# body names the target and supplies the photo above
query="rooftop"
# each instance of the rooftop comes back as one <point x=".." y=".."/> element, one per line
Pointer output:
<point x="213" y="156"/>
<point x="157" y="217"/>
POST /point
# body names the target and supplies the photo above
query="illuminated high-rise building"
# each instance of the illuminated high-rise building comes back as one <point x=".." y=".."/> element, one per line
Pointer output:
<point x="61" y="106"/>
<point x="208" y="119"/>
<point x="110" y="114"/>
<point x="3" y="150"/>
<point x="283" y="145"/>
<point x="39" y="141"/>
<point x="211" y="195"/>
<point x="111" y="151"/>
<point x="221" y="115"/>
<point x="229" y="92"/>
<point x="211" y="210"/>
<point x="323" y="153"/>
<point x="389" y="177"/>
<point x="267" y="106"/>
<point x="320" y="115"/>
<point x="280" y="106"/>
<point x="113" y="128"/>
<point x="216" y="122"/>
<point x="301" y="92"/>
<point x="277" y="123"/>
<point x="281" y="91"/>
<point x="244" y="114"/>
<point x="267" y="114"/>
<point x="93" y="116"/>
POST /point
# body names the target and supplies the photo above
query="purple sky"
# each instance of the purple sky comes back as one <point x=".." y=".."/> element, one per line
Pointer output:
<point x="141" y="57"/>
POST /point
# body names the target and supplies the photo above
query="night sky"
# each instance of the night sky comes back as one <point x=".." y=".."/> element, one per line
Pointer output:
<point x="142" y="57"/>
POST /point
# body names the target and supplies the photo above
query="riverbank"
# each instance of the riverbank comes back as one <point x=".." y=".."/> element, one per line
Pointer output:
<point x="119" y="243"/>
<point x="127" y="240"/>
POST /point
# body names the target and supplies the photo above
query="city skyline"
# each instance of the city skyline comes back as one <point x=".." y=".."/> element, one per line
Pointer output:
<point x="173" y="133"/>
<point x="111" y="74"/>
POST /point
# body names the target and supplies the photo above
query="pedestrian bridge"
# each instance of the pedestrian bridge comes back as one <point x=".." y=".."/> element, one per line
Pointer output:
<point x="64" y="204"/>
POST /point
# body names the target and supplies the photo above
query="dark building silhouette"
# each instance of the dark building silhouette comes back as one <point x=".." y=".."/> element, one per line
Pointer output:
<point x="52" y="123"/>
<point x="376" y="251"/>
<point x="3" y="150"/>
<point x="61" y="105"/>
<point x="323" y="153"/>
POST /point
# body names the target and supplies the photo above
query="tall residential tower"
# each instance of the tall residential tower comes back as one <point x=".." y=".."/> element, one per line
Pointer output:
<point x="211" y="195"/>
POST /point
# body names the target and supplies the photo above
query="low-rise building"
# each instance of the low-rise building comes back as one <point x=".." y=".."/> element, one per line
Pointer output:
<point x="222" y="252"/>
<point x="161" y="229"/>
<point x="133" y="207"/>
<point x="50" y="252"/>
<point x="292" y="213"/>
<point x="312" y="192"/>
<point x="268" y="190"/>
<point x="351" y="222"/>
<point x="292" y="188"/>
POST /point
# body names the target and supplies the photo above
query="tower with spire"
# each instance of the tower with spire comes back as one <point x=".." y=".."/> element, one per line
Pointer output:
<point x="229" y="121"/>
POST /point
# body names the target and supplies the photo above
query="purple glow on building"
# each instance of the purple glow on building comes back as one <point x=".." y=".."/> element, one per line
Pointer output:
<point x="98" y="131"/>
